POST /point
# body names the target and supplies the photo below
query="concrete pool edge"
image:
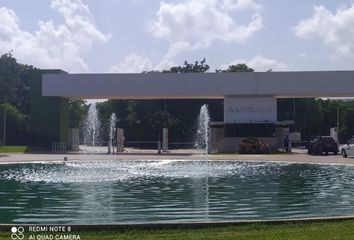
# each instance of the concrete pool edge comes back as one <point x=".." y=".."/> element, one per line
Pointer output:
<point x="273" y="158"/>
<point x="190" y="225"/>
<point x="272" y="218"/>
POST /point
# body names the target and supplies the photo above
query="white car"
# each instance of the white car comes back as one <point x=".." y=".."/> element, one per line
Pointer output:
<point x="348" y="148"/>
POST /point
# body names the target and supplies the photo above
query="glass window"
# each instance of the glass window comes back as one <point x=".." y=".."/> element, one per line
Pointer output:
<point x="250" y="130"/>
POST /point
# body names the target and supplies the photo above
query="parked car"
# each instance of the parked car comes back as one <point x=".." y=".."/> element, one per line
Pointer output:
<point x="348" y="148"/>
<point x="322" y="144"/>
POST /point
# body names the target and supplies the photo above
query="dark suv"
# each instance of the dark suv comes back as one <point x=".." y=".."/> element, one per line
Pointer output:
<point x="322" y="144"/>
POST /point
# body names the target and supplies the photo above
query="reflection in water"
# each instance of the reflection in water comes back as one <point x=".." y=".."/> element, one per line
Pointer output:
<point x="171" y="191"/>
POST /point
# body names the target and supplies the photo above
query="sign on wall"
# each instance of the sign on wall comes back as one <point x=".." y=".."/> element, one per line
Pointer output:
<point x="250" y="110"/>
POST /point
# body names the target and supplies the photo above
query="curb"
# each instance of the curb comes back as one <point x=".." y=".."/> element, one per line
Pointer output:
<point x="188" y="225"/>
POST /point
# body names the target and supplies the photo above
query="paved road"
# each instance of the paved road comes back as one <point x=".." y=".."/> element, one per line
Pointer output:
<point x="299" y="156"/>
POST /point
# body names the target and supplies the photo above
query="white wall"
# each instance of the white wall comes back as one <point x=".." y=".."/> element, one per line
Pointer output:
<point x="250" y="109"/>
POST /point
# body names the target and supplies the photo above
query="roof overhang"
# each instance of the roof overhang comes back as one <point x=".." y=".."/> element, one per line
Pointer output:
<point x="199" y="85"/>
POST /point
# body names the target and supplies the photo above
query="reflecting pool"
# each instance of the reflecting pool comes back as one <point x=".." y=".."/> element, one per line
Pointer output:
<point x="99" y="192"/>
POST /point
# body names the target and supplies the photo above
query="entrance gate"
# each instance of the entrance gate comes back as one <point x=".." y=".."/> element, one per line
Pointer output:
<point x="249" y="97"/>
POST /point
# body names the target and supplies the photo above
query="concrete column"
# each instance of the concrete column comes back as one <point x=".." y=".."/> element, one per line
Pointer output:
<point x="334" y="133"/>
<point x="164" y="140"/>
<point x="73" y="139"/>
<point x="120" y="140"/>
<point x="109" y="148"/>
<point x="159" y="147"/>
<point x="216" y="139"/>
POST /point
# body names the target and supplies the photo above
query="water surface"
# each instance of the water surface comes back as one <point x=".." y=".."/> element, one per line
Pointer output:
<point x="100" y="192"/>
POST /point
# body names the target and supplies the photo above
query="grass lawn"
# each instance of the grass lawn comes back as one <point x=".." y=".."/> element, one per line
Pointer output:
<point x="299" y="231"/>
<point x="13" y="149"/>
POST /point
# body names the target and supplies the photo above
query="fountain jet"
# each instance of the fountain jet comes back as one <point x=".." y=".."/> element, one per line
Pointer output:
<point x="92" y="126"/>
<point x="112" y="131"/>
<point x="202" y="139"/>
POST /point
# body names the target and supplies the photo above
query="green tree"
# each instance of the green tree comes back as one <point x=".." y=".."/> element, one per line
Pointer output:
<point x="15" y="98"/>
<point x="162" y="119"/>
<point x="346" y="116"/>
<point x="17" y="125"/>
<point x="241" y="67"/>
<point x="197" y="67"/>
<point x="317" y="116"/>
<point x="12" y="111"/>
<point x="77" y="113"/>
<point x="10" y="80"/>
<point x="14" y="82"/>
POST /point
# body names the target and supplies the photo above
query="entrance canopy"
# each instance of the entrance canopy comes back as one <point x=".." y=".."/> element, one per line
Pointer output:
<point x="200" y="85"/>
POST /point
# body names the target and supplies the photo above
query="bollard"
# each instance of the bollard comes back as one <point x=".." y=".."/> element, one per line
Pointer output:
<point x="120" y="140"/>
<point x="164" y="140"/>
<point x="158" y="147"/>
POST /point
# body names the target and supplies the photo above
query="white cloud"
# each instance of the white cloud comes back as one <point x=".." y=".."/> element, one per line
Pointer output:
<point x="164" y="65"/>
<point x="52" y="46"/>
<point x="8" y="23"/>
<point x="179" y="47"/>
<point x="333" y="29"/>
<point x="134" y="63"/>
<point x="259" y="64"/>
<point x="240" y="4"/>
<point x="195" y="24"/>
<point x="79" y="21"/>
<point x="303" y="55"/>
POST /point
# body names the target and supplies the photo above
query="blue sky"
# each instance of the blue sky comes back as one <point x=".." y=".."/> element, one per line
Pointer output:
<point x="138" y="35"/>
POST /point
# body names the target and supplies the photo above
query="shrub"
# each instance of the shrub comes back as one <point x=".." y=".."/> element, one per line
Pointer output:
<point x="252" y="146"/>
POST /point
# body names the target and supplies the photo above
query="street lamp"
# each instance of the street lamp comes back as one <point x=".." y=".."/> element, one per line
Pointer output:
<point x="294" y="110"/>
<point x="4" y="129"/>
<point x="338" y="123"/>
